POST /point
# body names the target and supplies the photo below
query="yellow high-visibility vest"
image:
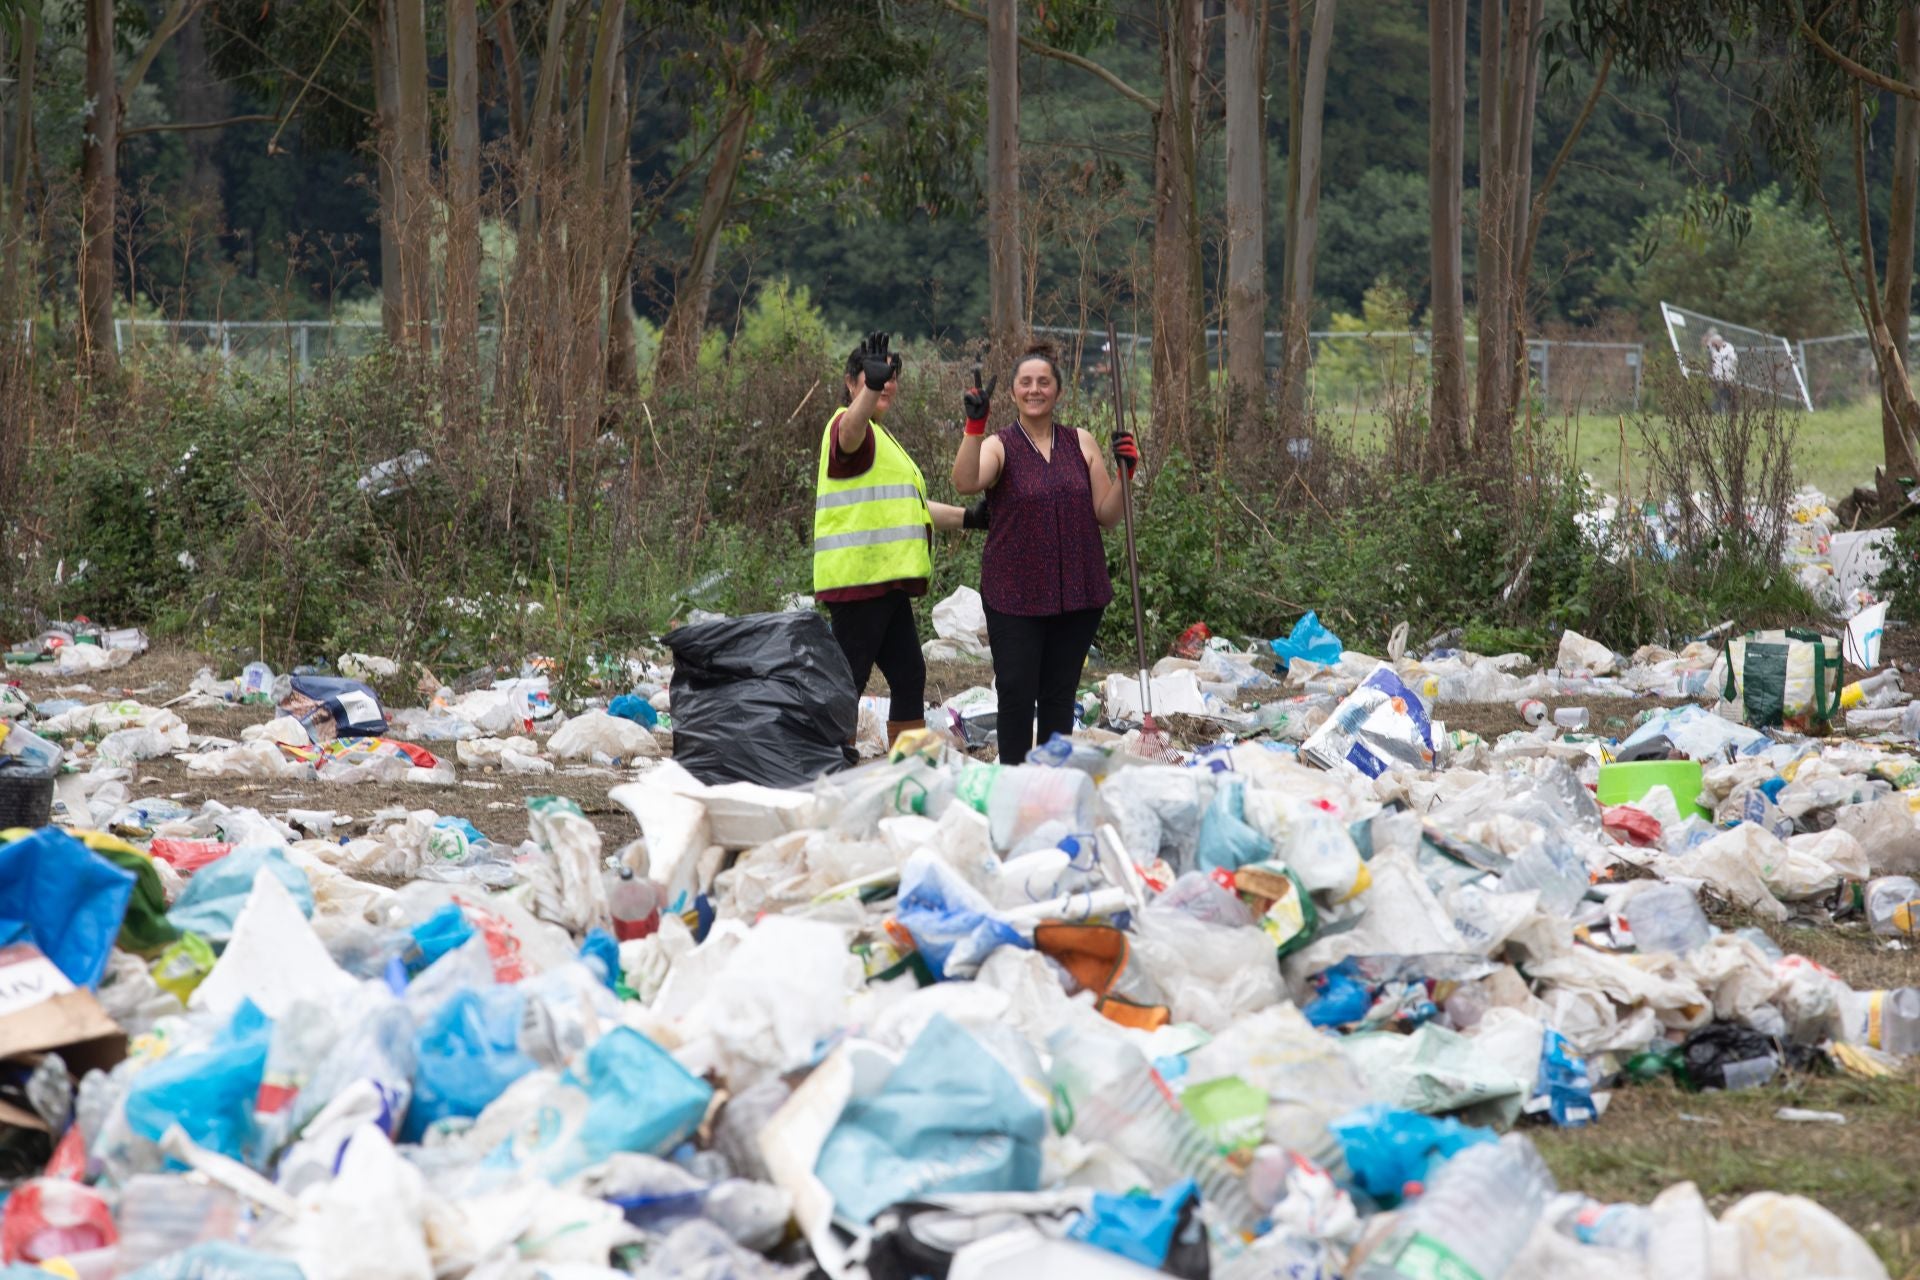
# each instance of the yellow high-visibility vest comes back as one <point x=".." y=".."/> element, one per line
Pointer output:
<point x="873" y="527"/>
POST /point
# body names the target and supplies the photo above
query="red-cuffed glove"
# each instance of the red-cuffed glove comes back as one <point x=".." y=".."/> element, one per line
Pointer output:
<point x="977" y="402"/>
<point x="1126" y="452"/>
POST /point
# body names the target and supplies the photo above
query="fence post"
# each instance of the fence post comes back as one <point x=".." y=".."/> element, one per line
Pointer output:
<point x="303" y="350"/>
<point x="1546" y="363"/>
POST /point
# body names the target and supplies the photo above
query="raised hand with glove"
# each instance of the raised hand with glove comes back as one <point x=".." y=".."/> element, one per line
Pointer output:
<point x="877" y="363"/>
<point x="978" y="403"/>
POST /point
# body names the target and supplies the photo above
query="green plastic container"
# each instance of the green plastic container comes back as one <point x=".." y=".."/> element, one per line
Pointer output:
<point x="1626" y="783"/>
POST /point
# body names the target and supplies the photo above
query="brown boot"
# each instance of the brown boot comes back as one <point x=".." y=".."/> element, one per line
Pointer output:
<point x="897" y="727"/>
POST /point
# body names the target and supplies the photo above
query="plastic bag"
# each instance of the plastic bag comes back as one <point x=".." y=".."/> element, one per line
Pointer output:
<point x="1211" y="974"/>
<point x="1387" y="1149"/>
<point x="208" y="1093"/>
<point x="949" y="1118"/>
<point x="469" y="1052"/>
<point x="1579" y="655"/>
<point x="627" y="1094"/>
<point x="65" y="899"/>
<point x="1380" y="726"/>
<point x="1309" y="641"/>
<point x="1226" y="840"/>
<point x="765" y="698"/>
<point x="213" y="899"/>
<point x="953" y="925"/>
<point x="331" y="707"/>
<point x="597" y="733"/>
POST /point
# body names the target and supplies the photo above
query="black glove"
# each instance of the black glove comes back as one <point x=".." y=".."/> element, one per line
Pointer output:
<point x="976" y="516"/>
<point x="880" y="365"/>
<point x="980" y="400"/>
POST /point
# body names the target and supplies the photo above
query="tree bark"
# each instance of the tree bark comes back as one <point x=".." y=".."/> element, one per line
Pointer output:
<point x="512" y="78"/>
<point x="592" y="237"/>
<point x="1446" y="135"/>
<point x="1246" y="302"/>
<point x="1897" y="307"/>
<point x="461" y="350"/>
<point x="693" y="291"/>
<point x="1006" y="321"/>
<point x="202" y="96"/>
<point x="28" y="61"/>
<point x="1523" y="54"/>
<point x="623" y="371"/>
<point x="99" y="182"/>
<point x="1179" y="333"/>
<point x="386" y="101"/>
<point x="1308" y="99"/>
<point x="1492" y="259"/>
<point x="414" y="209"/>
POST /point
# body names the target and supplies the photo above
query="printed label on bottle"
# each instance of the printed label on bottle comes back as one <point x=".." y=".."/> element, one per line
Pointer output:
<point x="1425" y="1258"/>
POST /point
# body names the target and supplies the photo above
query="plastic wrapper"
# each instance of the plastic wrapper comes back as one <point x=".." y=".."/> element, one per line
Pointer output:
<point x="1380" y="726"/>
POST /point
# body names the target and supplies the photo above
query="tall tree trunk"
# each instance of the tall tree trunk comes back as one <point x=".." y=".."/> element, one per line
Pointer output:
<point x="386" y="126"/>
<point x="1523" y="55"/>
<point x="623" y="370"/>
<point x="1491" y="257"/>
<point x="202" y="95"/>
<point x="1005" y="318"/>
<point x="507" y="50"/>
<point x="1896" y="443"/>
<point x="591" y="238"/>
<point x="543" y="124"/>
<point x="693" y="291"/>
<point x="99" y="182"/>
<point x="414" y="211"/>
<point x="14" y="301"/>
<point x="461" y="349"/>
<point x="1307" y="97"/>
<point x="1246" y="318"/>
<point x="1179" y="317"/>
<point x="1446" y="139"/>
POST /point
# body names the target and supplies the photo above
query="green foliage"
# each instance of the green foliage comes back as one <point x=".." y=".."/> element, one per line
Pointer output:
<point x="1899" y="583"/>
<point x="1780" y="277"/>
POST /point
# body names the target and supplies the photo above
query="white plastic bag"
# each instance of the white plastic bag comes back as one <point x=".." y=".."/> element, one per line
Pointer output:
<point x="595" y="733"/>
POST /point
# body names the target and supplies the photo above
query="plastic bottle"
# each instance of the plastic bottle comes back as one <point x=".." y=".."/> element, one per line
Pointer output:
<point x="1667" y="917"/>
<point x="1900" y="1021"/>
<point x="256" y="682"/>
<point x="1893" y="906"/>
<point x="1880" y="690"/>
<point x="634" y="904"/>
<point x="1532" y="710"/>
<point x="1473" y="1220"/>
<point x="1613" y="1226"/>
<point x="1104" y="1090"/>
<point x="1552" y="867"/>
<point x="1026" y="796"/>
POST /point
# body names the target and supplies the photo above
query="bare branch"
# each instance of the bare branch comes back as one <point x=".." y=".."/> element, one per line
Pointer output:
<point x="1560" y="162"/>
<point x="191" y="125"/>
<point x="178" y="13"/>
<point x="1866" y="75"/>
<point x="1087" y="65"/>
<point x="325" y="53"/>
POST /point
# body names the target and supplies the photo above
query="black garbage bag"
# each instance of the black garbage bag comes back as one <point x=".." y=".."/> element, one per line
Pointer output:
<point x="766" y="698"/>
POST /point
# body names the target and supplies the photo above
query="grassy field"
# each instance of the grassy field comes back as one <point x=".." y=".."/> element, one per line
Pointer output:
<point x="1835" y="449"/>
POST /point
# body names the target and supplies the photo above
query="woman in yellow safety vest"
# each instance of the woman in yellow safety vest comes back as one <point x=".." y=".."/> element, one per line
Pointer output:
<point x="872" y="536"/>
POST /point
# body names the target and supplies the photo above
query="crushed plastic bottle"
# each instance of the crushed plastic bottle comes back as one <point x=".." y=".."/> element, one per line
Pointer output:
<point x="1473" y="1220"/>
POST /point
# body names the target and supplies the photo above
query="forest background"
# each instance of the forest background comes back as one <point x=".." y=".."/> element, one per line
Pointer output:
<point x="587" y="271"/>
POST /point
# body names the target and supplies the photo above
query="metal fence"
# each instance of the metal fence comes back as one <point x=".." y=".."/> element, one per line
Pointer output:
<point x="262" y="344"/>
<point x="1359" y="371"/>
<point x="1840" y="369"/>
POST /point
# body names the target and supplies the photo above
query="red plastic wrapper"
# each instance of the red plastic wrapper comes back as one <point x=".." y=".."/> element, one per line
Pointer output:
<point x="188" y="856"/>
<point x="1192" y="642"/>
<point x="1631" y="826"/>
<point x="51" y="1217"/>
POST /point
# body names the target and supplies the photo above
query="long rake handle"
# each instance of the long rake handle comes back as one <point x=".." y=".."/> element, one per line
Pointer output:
<point x="1121" y="423"/>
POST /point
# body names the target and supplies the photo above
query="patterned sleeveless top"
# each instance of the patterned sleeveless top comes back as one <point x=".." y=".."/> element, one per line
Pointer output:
<point x="1044" y="554"/>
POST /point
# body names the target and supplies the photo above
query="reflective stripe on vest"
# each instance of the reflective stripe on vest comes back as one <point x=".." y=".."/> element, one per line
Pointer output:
<point x="873" y="527"/>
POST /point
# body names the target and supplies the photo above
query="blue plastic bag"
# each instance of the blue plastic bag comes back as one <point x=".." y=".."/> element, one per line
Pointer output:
<point x="953" y="926"/>
<point x="1387" y="1149"/>
<point x="601" y="953"/>
<point x="469" y="1052"/>
<point x="1226" y="840"/>
<point x="1565" y="1082"/>
<point x="441" y="932"/>
<point x="631" y="706"/>
<point x="950" y="1118"/>
<point x="1344" y="996"/>
<point x="641" y="1099"/>
<point x="1309" y="640"/>
<point x="1139" y="1228"/>
<point x="213" y="898"/>
<point x="209" y="1093"/>
<point x="353" y="707"/>
<point x="65" y="899"/>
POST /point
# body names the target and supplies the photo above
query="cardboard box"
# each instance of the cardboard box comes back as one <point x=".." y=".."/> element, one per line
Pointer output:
<point x="42" y="1012"/>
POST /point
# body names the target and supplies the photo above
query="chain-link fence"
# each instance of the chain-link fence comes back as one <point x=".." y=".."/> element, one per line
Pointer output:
<point x="263" y="345"/>
<point x="1361" y="371"/>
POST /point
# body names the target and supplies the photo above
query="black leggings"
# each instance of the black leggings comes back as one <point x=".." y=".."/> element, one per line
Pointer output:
<point x="882" y="632"/>
<point x="1037" y="664"/>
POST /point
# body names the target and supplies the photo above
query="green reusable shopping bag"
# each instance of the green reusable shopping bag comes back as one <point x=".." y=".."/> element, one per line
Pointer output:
<point x="1789" y="677"/>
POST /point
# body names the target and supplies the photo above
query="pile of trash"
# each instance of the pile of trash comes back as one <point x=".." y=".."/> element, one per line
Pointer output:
<point x="1285" y="1008"/>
